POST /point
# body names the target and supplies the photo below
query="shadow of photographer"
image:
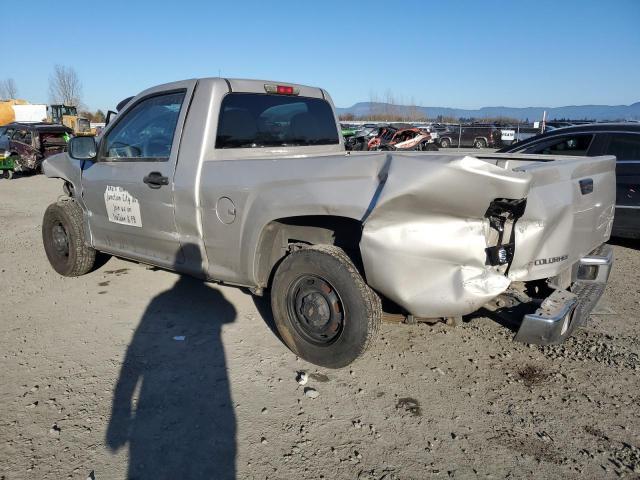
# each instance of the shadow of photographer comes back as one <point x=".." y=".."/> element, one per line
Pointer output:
<point x="182" y="422"/>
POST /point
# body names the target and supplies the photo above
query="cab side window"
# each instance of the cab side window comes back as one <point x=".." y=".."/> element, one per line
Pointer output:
<point x="569" y="145"/>
<point x="625" y="146"/>
<point x="145" y="132"/>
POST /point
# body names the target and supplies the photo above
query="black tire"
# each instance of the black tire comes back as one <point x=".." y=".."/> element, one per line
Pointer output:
<point x="480" y="143"/>
<point x="8" y="174"/>
<point x="429" y="147"/>
<point x="64" y="239"/>
<point x="445" y="143"/>
<point x="343" y="315"/>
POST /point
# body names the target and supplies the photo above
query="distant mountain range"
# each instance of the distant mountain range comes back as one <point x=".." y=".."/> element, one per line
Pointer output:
<point x="574" y="112"/>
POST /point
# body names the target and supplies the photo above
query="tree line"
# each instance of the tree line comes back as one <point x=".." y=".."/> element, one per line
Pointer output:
<point x="65" y="88"/>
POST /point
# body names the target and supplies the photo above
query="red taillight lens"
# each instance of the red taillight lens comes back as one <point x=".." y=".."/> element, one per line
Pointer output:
<point x="283" y="89"/>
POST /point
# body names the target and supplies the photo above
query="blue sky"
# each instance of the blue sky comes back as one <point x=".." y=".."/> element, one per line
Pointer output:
<point x="464" y="54"/>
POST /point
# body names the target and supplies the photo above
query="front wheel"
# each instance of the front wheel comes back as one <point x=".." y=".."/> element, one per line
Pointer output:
<point x="322" y="307"/>
<point x="64" y="239"/>
<point x="8" y="174"/>
<point x="445" y="143"/>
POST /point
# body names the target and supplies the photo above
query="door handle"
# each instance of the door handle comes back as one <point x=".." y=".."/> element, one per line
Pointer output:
<point x="156" y="180"/>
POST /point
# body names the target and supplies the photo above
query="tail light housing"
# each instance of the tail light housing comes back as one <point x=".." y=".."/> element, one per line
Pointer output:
<point x="281" y="89"/>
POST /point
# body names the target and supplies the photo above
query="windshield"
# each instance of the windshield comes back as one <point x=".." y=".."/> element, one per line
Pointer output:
<point x="252" y="120"/>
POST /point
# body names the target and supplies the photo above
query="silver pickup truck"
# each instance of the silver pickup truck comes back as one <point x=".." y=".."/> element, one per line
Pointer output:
<point x="247" y="183"/>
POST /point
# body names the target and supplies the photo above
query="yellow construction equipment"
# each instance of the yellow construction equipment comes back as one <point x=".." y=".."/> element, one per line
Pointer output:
<point x="23" y="111"/>
<point x="67" y="115"/>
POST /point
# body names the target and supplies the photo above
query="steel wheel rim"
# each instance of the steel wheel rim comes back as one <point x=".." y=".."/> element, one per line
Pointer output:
<point x="315" y="310"/>
<point x="60" y="240"/>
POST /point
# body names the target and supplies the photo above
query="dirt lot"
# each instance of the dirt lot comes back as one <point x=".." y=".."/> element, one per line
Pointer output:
<point x="136" y="372"/>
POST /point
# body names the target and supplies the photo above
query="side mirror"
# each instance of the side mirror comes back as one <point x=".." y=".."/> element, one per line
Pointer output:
<point x="110" y="114"/>
<point x="83" y="148"/>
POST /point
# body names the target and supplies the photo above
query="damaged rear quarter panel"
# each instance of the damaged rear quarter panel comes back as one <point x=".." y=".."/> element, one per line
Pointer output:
<point x="423" y="245"/>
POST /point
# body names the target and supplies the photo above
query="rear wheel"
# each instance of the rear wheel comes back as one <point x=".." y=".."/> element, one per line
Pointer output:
<point x="8" y="174"/>
<point x="322" y="307"/>
<point x="480" y="143"/>
<point x="64" y="239"/>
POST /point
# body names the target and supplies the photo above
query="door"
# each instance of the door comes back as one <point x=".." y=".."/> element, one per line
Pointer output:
<point x="626" y="148"/>
<point x="128" y="189"/>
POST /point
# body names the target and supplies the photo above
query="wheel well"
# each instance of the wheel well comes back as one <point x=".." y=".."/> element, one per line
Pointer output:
<point x="279" y="236"/>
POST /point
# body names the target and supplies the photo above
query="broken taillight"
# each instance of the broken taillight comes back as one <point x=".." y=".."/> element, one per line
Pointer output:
<point x="503" y="213"/>
<point x="281" y="89"/>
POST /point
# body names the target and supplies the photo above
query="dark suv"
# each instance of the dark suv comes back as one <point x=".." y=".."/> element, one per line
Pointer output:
<point x="619" y="139"/>
<point x="478" y="136"/>
<point x="23" y="146"/>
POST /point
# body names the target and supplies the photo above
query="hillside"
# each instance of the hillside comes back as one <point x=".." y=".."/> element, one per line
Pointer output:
<point x="575" y="112"/>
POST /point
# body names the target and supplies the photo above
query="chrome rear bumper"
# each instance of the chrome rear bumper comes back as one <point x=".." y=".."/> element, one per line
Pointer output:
<point x="563" y="311"/>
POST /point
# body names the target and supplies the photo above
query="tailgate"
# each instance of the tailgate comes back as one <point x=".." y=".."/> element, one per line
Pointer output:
<point x="569" y="213"/>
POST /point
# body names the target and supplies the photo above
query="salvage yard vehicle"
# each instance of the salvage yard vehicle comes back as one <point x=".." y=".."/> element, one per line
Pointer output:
<point x="347" y="130"/>
<point x="478" y="136"/>
<point x="247" y="183"/>
<point x="6" y="167"/>
<point x="360" y="139"/>
<point x="24" y="146"/>
<point x="67" y="115"/>
<point x="619" y="139"/>
<point x="404" y="139"/>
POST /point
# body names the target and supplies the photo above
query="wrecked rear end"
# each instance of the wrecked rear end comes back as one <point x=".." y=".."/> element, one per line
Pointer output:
<point x="466" y="232"/>
<point x="52" y="143"/>
<point x="46" y="141"/>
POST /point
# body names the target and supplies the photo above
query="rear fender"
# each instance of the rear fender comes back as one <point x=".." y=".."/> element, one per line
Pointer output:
<point x="424" y="243"/>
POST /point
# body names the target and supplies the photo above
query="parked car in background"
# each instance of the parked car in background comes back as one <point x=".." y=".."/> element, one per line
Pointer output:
<point x="360" y="139"/>
<point x="403" y="139"/>
<point x="478" y="136"/>
<point x="23" y="146"/>
<point x="348" y="130"/>
<point x="619" y="139"/>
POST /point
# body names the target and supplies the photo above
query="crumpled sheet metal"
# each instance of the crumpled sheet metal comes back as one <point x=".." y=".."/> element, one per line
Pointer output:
<point x="27" y="163"/>
<point x="62" y="166"/>
<point x="423" y="244"/>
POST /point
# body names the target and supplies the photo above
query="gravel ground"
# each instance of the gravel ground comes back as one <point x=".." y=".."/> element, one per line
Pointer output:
<point x="136" y="372"/>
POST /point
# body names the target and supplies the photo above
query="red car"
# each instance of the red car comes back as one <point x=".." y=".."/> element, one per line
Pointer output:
<point x="26" y="145"/>
<point x="391" y="138"/>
